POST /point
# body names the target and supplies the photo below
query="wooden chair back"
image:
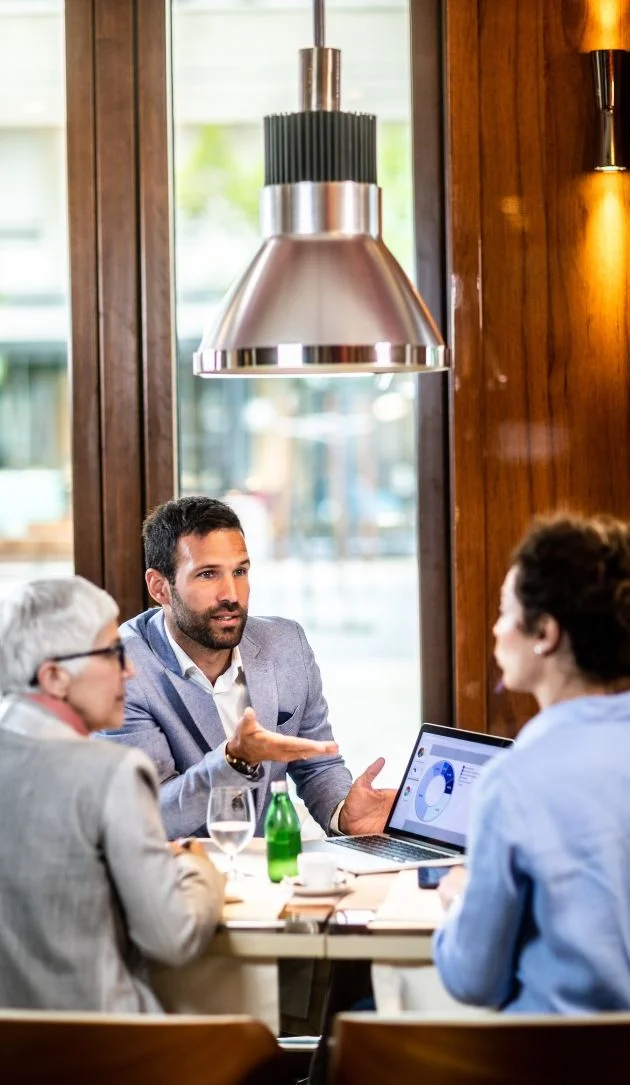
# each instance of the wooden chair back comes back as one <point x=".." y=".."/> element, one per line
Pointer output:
<point x="497" y="1050"/>
<point x="99" y="1049"/>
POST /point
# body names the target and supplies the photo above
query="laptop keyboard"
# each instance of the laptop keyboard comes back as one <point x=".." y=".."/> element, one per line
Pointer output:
<point x="385" y="848"/>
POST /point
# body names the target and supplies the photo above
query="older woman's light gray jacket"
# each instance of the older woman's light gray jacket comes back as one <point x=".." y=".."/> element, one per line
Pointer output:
<point x="88" y="885"/>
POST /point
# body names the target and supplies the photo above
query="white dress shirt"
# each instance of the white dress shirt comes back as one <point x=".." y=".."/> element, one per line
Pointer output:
<point x="230" y="692"/>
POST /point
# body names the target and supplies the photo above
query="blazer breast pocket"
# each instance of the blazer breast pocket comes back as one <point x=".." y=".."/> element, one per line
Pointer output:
<point x="287" y="722"/>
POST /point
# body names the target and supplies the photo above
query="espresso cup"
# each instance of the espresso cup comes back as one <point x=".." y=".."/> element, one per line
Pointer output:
<point x="317" y="871"/>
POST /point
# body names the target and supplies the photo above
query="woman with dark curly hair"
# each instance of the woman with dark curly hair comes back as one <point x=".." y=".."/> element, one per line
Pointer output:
<point x="540" y="919"/>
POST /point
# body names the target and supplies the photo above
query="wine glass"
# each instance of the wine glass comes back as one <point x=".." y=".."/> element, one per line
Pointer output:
<point x="231" y="822"/>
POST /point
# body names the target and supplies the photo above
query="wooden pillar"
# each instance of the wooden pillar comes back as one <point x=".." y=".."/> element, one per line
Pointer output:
<point x="122" y="342"/>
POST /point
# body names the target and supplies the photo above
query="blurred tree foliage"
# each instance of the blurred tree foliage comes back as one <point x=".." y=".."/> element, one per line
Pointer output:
<point x="394" y="177"/>
<point x="221" y="175"/>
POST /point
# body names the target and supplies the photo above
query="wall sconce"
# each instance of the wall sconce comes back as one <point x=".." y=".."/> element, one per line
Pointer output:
<point x="609" y="149"/>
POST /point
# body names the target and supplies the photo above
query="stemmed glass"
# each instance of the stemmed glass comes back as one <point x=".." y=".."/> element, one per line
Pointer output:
<point x="231" y="822"/>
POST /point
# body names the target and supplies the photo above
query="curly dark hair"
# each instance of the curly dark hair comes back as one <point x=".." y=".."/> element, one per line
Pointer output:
<point x="578" y="571"/>
<point x="165" y="525"/>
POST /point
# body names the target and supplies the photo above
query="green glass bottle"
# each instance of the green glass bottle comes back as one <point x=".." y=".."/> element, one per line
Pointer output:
<point x="282" y="834"/>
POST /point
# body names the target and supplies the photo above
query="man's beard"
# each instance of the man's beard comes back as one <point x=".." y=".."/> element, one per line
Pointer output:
<point x="198" y="626"/>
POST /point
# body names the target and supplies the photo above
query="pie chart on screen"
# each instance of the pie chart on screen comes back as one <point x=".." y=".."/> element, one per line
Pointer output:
<point x="435" y="790"/>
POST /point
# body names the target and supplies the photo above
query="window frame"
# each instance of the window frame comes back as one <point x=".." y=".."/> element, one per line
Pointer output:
<point x="122" y="349"/>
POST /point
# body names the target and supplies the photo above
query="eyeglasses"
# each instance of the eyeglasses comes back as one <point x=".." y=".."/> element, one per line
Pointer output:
<point x="117" y="650"/>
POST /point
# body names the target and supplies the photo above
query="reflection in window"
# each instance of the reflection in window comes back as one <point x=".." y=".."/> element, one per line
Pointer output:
<point x="321" y="470"/>
<point x="35" y="501"/>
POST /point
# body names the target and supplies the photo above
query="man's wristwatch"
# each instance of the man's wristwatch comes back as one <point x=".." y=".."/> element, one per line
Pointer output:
<point x="245" y="769"/>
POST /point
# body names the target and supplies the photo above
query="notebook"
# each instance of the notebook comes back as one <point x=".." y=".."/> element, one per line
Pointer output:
<point x="428" y="822"/>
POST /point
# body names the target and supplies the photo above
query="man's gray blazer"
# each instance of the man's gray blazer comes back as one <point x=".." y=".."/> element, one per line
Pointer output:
<point x="175" y="721"/>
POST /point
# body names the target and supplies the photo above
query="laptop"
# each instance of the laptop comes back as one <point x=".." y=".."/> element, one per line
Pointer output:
<point x="428" y="822"/>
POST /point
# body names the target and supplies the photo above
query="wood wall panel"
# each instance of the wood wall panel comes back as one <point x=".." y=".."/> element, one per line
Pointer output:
<point x="467" y="384"/>
<point x="84" y="351"/>
<point x="121" y="272"/>
<point x="552" y="367"/>
<point x="155" y="224"/>
<point x="433" y="398"/>
<point x="119" y="304"/>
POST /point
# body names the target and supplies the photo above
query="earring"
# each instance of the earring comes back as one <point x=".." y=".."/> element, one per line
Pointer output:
<point x="538" y="649"/>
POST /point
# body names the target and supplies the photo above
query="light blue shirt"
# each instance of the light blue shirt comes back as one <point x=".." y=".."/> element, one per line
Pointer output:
<point x="544" y="924"/>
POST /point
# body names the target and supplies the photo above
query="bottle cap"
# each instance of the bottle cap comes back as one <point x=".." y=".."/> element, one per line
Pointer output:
<point x="278" y="787"/>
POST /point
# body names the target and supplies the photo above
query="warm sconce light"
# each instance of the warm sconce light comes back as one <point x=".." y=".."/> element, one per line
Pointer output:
<point x="609" y="150"/>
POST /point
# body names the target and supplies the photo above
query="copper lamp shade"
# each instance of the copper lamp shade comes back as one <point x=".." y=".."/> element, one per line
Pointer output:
<point x="323" y="294"/>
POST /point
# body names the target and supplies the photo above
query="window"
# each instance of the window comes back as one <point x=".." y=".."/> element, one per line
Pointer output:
<point x="35" y="483"/>
<point x="322" y="470"/>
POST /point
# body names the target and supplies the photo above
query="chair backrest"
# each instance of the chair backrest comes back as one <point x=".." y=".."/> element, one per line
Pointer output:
<point x="514" y="1050"/>
<point x="98" y="1049"/>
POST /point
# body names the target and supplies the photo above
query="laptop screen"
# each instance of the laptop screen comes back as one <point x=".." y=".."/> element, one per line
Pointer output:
<point x="433" y="801"/>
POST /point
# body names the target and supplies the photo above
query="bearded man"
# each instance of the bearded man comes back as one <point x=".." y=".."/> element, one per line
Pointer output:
<point x="221" y="698"/>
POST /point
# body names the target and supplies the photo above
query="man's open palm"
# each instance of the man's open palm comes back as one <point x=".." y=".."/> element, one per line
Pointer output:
<point x="366" y="808"/>
<point x="253" y="743"/>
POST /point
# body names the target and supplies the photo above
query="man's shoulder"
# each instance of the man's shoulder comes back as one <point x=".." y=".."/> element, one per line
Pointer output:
<point x="144" y="639"/>
<point x="137" y="628"/>
<point x="270" y="624"/>
<point x="510" y="777"/>
<point x="269" y="631"/>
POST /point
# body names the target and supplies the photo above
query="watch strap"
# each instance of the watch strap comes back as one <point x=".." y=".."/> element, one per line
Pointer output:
<point x="251" y="772"/>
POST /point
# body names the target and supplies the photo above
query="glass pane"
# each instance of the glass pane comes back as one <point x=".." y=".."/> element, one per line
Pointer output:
<point x="35" y="483"/>
<point x="321" y="470"/>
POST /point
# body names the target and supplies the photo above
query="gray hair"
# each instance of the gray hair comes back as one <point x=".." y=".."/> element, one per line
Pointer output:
<point x="46" y="618"/>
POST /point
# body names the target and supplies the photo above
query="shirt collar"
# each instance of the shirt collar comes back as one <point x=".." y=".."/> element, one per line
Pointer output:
<point x="188" y="665"/>
<point x="62" y="710"/>
<point x="40" y="716"/>
<point x="566" y="712"/>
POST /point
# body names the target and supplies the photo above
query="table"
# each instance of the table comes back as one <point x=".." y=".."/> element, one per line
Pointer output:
<point x="238" y="971"/>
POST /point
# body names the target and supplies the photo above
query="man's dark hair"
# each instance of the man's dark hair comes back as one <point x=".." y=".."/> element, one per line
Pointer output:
<point x="578" y="571"/>
<point x="166" y="524"/>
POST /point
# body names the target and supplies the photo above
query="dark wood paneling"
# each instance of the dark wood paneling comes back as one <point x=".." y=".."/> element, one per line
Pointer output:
<point x="154" y="166"/>
<point x="434" y="549"/>
<point x="522" y="433"/>
<point x="551" y="386"/>
<point x="467" y="438"/>
<point x="121" y="266"/>
<point x="119" y="301"/>
<point x="84" y="364"/>
<point x="433" y="389"/>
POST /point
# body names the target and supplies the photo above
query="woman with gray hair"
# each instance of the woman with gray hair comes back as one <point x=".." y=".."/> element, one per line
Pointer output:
<point x="91" y="888"/>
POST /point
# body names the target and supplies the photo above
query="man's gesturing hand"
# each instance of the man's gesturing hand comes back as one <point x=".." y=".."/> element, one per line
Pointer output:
<point x="366" y="808"/>
<point x="252" y="743"/>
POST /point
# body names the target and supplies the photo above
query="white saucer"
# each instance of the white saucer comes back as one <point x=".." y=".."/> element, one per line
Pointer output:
<point x="336" y="890"/>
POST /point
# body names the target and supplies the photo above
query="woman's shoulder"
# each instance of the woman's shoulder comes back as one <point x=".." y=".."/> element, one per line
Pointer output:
<point x="109" y="779"/>
<point x="118" y="754"/>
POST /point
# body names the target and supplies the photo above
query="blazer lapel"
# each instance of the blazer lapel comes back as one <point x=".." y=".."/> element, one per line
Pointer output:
<point x="261" y="682"/>
<point x="194" y="705"/>
<point x="263" y="696"/>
